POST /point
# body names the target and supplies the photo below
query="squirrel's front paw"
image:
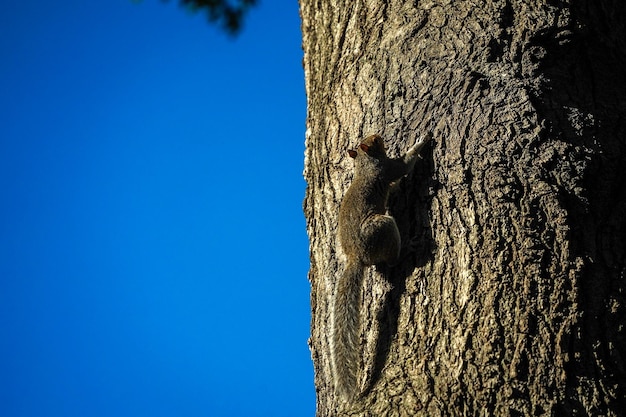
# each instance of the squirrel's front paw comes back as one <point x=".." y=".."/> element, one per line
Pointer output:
<point x="425" y="138"/>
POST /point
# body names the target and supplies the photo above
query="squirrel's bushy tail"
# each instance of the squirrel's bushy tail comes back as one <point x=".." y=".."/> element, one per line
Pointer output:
<point x="345" y="331"/>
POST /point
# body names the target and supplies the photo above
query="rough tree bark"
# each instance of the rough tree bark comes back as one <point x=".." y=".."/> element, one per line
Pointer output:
<point x="513" y="303"/>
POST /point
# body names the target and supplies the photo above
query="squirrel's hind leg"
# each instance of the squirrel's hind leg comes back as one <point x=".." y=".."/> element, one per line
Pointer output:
<point x="382" y="240"/>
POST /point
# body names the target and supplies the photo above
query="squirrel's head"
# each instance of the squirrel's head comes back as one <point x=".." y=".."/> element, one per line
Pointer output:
<point x="372" y="146"/>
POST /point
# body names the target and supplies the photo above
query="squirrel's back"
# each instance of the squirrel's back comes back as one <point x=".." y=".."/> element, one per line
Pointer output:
<point x="366" y="195"/>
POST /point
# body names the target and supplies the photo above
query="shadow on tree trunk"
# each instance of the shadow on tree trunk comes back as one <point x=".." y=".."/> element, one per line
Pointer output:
<point x="582" y="95"/>
<point x="409" y="206"/>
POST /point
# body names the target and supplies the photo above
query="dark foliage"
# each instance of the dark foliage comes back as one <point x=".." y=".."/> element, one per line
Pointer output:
<point x="228" y="14"/>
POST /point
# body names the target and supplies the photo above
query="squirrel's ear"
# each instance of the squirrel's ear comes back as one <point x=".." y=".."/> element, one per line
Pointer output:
<point x="364" y="147"/>
<point x="352" y="153"/>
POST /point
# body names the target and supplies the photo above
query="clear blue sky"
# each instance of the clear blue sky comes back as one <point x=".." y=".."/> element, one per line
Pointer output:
<point x="153" y="253"/>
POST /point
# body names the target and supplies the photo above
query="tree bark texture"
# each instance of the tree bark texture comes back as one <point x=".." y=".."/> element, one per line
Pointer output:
<point x="512" y="299"/>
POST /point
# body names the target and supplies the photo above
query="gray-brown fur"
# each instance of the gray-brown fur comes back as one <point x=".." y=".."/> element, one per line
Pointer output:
<point x="368" y="236"/>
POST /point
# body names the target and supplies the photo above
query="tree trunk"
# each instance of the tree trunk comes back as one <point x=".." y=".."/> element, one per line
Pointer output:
<point x="512" y="300"/>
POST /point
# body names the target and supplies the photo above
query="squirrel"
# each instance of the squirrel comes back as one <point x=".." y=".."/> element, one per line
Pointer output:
<point x="368" y="236"/>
